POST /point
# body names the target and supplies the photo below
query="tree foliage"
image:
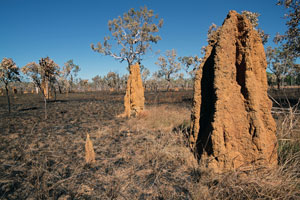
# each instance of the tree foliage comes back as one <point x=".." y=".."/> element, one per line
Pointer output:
<point x="281" y="60"/>
<point x="132" y="33"/>
<point x="280" y="63"/>
<point x="113" y="80"/>
<point x="144" y="73"/>
<point x="291" y="38"/>
<point x="84" y="84"/>
<point x="97" y="82"/>
<point x="190" y="61"/>
<point x="9" y="72"/>
<point x="69" y="73"/>
<point x="47" y="70"/>
<point x="169" y="66"/>
<point x="43" y="73"/>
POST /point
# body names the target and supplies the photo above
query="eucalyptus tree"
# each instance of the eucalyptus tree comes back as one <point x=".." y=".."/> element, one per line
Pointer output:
<point x="291" y="38"/>
<point x="190" y="61"/>
<point x="42" y="75"/>
<point x="84" y="85"/>
<point x="169" y="66"/>
<point x="280" y="63"/>
<point x="144" y="73"/>
<point x="97" y="82"/>
<point x="69" y="73"/>
<point x="113" y="80"/>
<point x="153" y="82"/>
<point x="281" y="60"/>
<point x="123" y="81"/>
<point x="132" y="35"/>
<point x="9" y="72"/>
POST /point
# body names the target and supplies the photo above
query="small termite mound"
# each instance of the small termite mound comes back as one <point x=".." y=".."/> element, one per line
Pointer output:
<point x="89" y="151"/>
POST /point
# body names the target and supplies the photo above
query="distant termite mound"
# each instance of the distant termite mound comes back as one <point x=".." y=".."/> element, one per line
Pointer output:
<point x="134" y="98"/>
<point x="1" y="92"/>
<point x="232" y="126"/>
<point x="46" y="89"/>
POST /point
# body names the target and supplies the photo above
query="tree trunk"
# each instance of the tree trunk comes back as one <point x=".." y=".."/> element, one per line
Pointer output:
<point x="168" y="86"/>
<point x="278" y="83"/>
<point x="8" y="100"/>
<point x="47" y="90"/>
<point x="54" y="89"/>
<point x="186" y="85"/>
<point x="45" y="100"/>
<point x="59" y="89"/>
<point x="45" y="105"/>
<point x="70" y="84"/>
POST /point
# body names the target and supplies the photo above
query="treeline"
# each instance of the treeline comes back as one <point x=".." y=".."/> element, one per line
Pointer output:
<point x="286" y="81"/>
<point x="112" y="81"/>
<point x="66" y="80"/>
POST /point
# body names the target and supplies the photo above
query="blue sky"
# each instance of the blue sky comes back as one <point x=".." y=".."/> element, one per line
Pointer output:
<point x="64" y="29"/>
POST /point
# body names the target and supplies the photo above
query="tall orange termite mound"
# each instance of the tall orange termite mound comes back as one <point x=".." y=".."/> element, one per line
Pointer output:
<point x="232" y="126"/>
<point x="134" y="98"/>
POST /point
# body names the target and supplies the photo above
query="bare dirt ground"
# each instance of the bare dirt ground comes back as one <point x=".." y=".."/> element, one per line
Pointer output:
<point x="142" y="158"/>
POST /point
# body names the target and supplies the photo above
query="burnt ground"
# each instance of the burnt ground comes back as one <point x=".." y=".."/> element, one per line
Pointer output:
<point x="44" y="159"/>
<point x="142" y="158"/>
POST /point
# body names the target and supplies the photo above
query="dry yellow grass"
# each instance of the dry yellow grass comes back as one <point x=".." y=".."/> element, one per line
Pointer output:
<point x="279" y="183"/>
<point x="162" y="118"/>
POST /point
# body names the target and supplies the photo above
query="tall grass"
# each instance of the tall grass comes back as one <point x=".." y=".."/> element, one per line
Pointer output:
<point x="288" y="136"/>
<point x="282" y="182"/>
